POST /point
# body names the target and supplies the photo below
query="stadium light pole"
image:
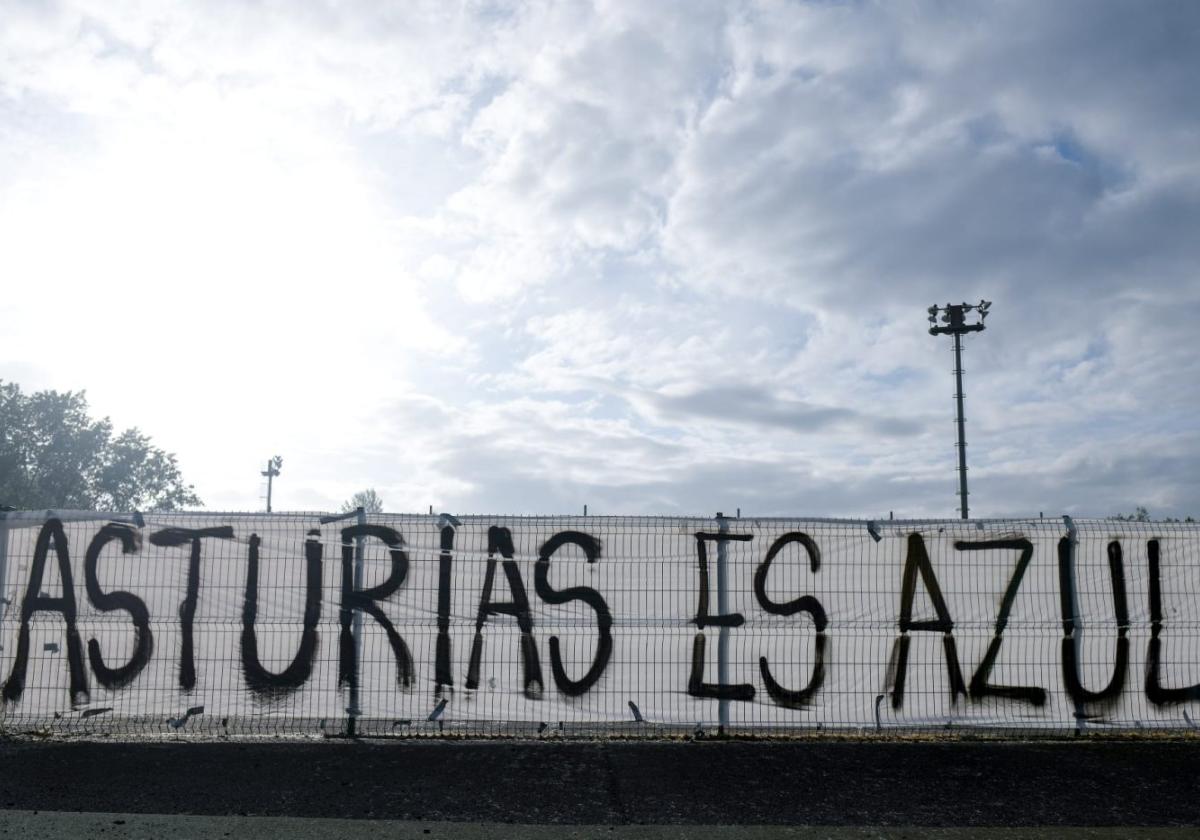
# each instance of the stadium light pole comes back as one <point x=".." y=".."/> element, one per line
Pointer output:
<point x="272" y="470"/>
<point x="954" y="319"/>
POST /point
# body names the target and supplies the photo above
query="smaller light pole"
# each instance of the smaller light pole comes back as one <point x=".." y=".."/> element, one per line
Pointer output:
<point x="272" y="470"/>
<point x="954" y="316"/>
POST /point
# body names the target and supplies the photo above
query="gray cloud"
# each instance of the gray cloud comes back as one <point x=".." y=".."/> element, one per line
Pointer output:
<point x="748" y="404"/>
<point x="678" y="259"/>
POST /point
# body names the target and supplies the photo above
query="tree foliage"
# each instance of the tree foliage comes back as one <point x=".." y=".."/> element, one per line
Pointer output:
<point x="54" y="455"/>
<point x="367" y="499"/>
<point x="1140" y="514"/>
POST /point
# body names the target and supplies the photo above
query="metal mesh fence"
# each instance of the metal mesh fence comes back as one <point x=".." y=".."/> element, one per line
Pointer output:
<point x="207" y="623"/>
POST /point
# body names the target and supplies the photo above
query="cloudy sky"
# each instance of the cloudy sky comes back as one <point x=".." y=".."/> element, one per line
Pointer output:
<point x="653" y="257"/>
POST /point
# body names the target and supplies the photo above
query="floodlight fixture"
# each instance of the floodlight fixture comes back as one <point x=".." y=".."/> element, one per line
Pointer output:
<point x="274" y="464"/>
<point x="954" y="316"/>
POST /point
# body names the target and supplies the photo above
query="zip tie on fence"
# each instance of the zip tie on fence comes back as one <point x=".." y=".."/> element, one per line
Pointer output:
<point x="437" y="712"/>
<point x="873" y="530"/>
<point x="637" y="713"/>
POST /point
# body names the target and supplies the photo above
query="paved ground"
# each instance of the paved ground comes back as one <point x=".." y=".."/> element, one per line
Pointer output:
<point x="613" y="787"/>
<point x="70" y="826"/>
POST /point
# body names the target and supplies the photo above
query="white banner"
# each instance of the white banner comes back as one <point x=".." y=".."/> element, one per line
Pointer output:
<point x="405" y="623"/>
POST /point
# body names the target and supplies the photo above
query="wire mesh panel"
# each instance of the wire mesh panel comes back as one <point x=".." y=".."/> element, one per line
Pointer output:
<point x="402" y="625"/>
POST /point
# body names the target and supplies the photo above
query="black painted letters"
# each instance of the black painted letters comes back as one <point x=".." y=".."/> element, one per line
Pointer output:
<point x="697" y="687"/>
<point x="500" y="541"/>
<point x="143" y="639"/>
<point x="365" y="601"/>
<point x="591" y="550"/>
<point x="262" y="682"/>
<point x="798" y="698"/>
<point x="34" y="602"/>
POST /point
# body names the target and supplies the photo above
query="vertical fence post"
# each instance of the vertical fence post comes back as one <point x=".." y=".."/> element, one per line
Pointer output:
<point x="723" y="609"/>
<point x="3" y="559"/>
<point x="1072" y="591"/>
<point x="355" y="708"/>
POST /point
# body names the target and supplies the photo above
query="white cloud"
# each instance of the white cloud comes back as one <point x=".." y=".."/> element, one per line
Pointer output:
<point x="523" y="256"/>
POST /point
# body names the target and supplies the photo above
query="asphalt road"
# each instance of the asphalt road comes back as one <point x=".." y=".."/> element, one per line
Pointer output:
<point x="617" y="784"/>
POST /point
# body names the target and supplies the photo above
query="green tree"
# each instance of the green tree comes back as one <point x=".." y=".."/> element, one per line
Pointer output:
<point x="1140" y="514"/>
<point x="54" y="455"/>
<point x="367" y="499"/>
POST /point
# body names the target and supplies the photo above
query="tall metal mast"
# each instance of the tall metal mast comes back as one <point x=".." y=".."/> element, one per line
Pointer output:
<point x="954" y="317"/>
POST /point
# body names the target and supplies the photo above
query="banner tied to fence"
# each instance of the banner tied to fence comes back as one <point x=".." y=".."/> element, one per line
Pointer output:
<point x="390" y="624"/>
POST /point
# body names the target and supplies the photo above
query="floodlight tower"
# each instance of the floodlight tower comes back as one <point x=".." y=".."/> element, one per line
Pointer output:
<point x="272" y="470"/>
<point x="954" y="316"/>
